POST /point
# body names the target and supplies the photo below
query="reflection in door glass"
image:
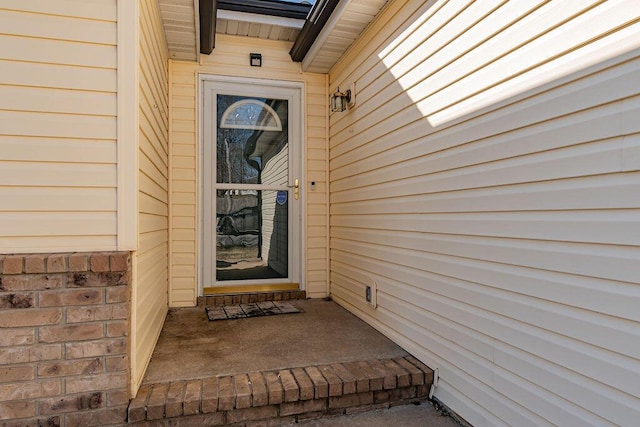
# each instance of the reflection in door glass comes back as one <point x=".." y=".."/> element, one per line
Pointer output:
<point x="252" y="234"/>
<point x="252" y="223"/>
<point x="251" y="134"/>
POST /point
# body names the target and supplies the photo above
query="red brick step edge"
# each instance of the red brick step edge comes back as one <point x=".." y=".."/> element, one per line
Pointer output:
<point x="288" y="395"/>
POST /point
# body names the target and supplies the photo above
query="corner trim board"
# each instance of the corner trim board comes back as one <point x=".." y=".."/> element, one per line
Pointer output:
<point x="127" y="124"/>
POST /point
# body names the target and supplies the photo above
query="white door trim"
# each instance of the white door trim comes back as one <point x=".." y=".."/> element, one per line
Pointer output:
<point x="298" y="246"/>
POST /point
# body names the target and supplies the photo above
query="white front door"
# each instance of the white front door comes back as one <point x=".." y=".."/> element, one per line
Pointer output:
<point x="251" y="196"/>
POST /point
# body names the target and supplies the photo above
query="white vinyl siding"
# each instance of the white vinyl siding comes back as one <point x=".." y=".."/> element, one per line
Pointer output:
<point x="58" y="109"/>
<point x="231" y="58"/>
<point x="487" y="180"/>
<point x="150" y="290"/>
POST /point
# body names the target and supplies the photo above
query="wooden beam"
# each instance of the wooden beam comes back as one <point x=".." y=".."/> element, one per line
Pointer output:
<point x="267" y="7"/>
<point x="312" y="27"/>
<point x="208" y="11"/>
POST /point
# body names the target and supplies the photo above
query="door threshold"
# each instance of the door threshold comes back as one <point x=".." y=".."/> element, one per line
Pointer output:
<point x="243" y="289"/>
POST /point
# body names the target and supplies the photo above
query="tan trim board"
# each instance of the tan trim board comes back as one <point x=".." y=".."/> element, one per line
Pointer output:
<point x="127" y="148"/>
<point x="238" y="289"/>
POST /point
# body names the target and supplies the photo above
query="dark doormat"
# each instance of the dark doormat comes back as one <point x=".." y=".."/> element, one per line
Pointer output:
<point x="241" y="311"/>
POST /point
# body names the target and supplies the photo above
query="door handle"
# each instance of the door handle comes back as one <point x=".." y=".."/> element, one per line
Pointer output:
<point x="296" y="189"/>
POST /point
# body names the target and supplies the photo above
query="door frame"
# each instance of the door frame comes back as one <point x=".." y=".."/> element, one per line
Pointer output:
<point x="299" y="243"/>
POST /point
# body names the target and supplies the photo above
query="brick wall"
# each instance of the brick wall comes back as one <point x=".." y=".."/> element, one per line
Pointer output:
<point x="64" y="327"/>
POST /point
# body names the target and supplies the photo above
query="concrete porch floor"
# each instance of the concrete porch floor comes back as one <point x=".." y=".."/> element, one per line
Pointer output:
<point x="279" y="370"/>
<point x="190" y="346"/>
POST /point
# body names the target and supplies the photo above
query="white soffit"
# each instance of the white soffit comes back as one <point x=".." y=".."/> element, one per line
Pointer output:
<point x="347" y="22"/>
<point x="180" y="23"/>
<point x="257" y="25"/>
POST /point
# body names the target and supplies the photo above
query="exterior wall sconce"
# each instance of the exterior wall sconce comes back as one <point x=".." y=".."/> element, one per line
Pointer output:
<point x="340" y="100"/>
<point x="255" y="59"/>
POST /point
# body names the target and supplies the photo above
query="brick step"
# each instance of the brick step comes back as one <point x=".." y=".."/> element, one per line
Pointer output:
<point x="250" y="297"/>
<point x="285" y="396"/>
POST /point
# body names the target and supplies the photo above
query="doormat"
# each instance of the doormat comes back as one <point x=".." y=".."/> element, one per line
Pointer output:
<point x="242" y="311"/>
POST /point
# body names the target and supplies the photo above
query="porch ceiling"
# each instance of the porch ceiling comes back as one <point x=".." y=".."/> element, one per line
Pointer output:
<point x="346" y="23"/>
<point x="181" y="28"/>
<point x="258" y="26"/>
<point x="342" y="28"/>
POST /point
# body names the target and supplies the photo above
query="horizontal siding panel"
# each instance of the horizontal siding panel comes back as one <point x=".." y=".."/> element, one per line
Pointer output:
<point x="152" y="271"/>
<point x="184" y="83"/>
<point x="151" y="205"/>
<point x="313" y="232"/>
<point x="152" y="121"/>
<point x="37" y="199"/>
<point x="555" y="378"/>
<point x="182" y="246"/>
<point x="316" y="202"/>
<point x="100" y="10"/>
<point x="186" y="162"/>
<point x="184" y="258"/>
<point x="184" y="210"/>
<point x="184" y="286"/>
<point x="631" y="153"/>
<point x="152" y="130"/>
<point x="48" y="244"/>
<point x="57" y="174"/>
<point x="316" y="242"/>
<point x="57" y="76"/>
<point x="184" y="102"/>
<point x="541" y="260"/>
<point x="183" y="298"/>
<point x="184" y="173"/>
<point x="14" y="224"/>
<point x="183" y="149"/>
<point x="151" y="264"/>
<point x="153" y="164"/>
<point x="150" y="187"/>
<point x="36" y="149"/>
<point x="186" y="235"/>
<point x="149" y="223"/>
<point x="57" y="101"/>
<point x="57" y="125"/>
<point x="184" y="199"/>
<point x="153" y="239"/>
<point x="315" y="264"/>
<point x="598" y="192"/>
<point x="185" y="271"/>
<point x="47" y="26"/>
<point x="29" y="49"/>
<point x="182" y="114"/>
<point x="572" y="226"/>
<point x="585" y="160"/>
<point x="185" y="92"/>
